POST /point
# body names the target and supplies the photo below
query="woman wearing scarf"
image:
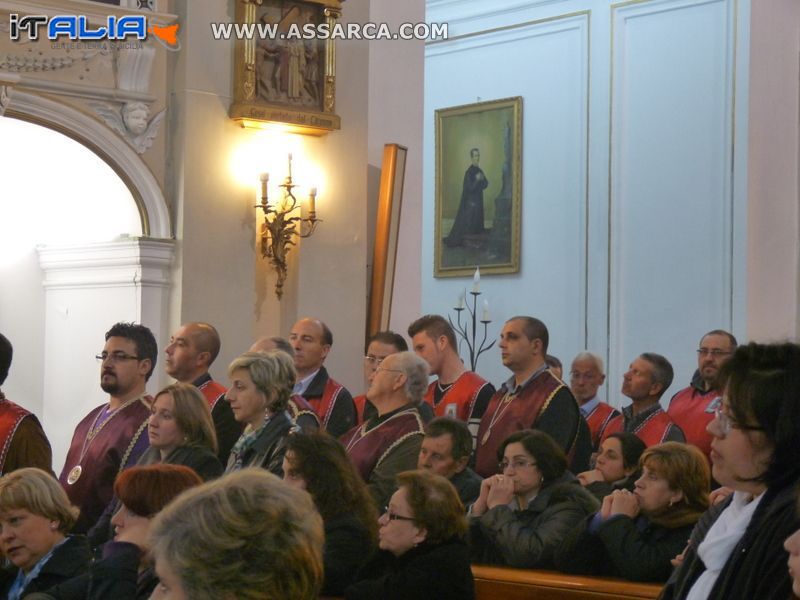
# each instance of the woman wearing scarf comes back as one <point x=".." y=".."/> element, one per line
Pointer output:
<point x="736" y="550"/>
<point x="635" y="535"/>
<point x="261" y="385"/>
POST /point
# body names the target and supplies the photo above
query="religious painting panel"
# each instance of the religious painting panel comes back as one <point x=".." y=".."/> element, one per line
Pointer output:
<point x="478" y="188"/>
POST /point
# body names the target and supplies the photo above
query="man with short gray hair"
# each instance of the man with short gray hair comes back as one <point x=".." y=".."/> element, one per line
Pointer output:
<point x="585" y="378"/>
<point x="646" y="380"/>
<point x="389" y="442"/>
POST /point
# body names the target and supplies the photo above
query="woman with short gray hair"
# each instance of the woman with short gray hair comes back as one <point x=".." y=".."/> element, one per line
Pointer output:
<point x="261" y="385"/>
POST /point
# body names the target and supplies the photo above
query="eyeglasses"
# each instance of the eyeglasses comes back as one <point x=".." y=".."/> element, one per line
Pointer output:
<point x="387" y="512"/>
<point x="726" y="423"/>
<point x="582" y="376"/>
<point x="714" y="353"/>
<point x="115" y="357"/>
<point x="389" y="370"/>
<point x="517" y="464"/>
<point x="374" y="360"/>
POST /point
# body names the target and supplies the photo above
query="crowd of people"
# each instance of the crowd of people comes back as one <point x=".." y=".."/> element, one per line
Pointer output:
<point x="282" y="484"/>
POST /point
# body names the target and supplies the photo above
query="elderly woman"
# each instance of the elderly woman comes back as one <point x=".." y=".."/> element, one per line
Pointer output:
<point x="421" y="535"/>
<point x="125" y="571"/>
<point x="35" y="516"/>
<point x="523" y="514"/>
<point x="635" y="535"/>
<point x="244" y="536"/>
<point x="617" y="465"/>
<point x="318" y="464"/>
<point x="736" y="550"/>
<point x="261" y="385"/>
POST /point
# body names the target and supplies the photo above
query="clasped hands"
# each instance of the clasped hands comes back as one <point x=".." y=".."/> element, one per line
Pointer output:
<point x="620" y="502"/>
<point x="496" y="490"/>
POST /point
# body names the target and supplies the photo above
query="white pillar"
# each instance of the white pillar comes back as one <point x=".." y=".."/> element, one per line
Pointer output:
<point x="88" y="288"/>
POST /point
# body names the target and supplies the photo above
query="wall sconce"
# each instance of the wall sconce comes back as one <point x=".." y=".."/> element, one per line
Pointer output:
<point x="279" y="229"/>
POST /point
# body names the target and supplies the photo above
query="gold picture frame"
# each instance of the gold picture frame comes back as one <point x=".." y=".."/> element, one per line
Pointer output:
<point x="387" y="232"/>
<point x="486" y="137"/>
<point x="285" y="74"/>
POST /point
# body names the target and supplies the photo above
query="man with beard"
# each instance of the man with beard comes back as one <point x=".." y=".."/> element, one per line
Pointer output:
<point x="113" y="435"/>
<point x="692" y="408"/>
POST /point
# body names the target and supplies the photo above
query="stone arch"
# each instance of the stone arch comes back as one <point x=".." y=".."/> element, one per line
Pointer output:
<point x="101" y="140"/>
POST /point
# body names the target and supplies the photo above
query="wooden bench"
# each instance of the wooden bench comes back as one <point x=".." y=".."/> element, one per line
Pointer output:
<point x="501" y="583"/>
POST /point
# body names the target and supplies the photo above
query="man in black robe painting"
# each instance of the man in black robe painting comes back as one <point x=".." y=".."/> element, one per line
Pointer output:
<point x="469" y="218"/>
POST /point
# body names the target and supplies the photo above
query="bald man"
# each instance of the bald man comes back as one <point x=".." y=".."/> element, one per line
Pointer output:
<point x="311" y="341"/>
<point x="191" y="351"/>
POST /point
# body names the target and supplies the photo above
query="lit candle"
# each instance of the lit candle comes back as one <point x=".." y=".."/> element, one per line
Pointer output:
<point x="264" y="177"/>
<point x="476" y="281"/>
<point x="312" y="201"/>
<point x="485" y="311"/>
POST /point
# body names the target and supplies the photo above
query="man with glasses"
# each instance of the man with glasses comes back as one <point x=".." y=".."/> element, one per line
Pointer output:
<point x="458" y="392"/>
<point x="113" y="435"/>
<point x="311" y="341"/>
<point x="585" y="378"/>
<point x="389" y="442"/>
<point x="692" y="408"/>
<point x="380" y="345"/>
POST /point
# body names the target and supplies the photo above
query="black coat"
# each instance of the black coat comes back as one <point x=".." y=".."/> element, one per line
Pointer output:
<point x="68" y="560"/>
<point x="756" y="568"/>
<point x="269" y="448"/>
<point x="348" y="545"/>
<point x="427" y="572"/>
<point x="528" y="538"/>
<point x="634" y="550"/>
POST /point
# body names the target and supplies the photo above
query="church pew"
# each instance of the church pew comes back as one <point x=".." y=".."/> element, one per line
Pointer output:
<point x="494" y="583"/>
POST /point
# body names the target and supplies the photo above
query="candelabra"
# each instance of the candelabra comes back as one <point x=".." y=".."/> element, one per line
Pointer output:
<point x="281" y="227"/>
<point x="468" y="330"/>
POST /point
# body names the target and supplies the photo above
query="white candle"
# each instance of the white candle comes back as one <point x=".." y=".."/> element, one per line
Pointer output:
<point x="460" y="304"/>
<point x="476" y="281"/>
<point x="312" y="201"/>
<point x="485" y="311"/>
<point x="264" y="177"/>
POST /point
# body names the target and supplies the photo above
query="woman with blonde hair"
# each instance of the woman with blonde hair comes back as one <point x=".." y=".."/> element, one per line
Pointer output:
<point x="635" y="535"/>
<point x="246" y="536"/>
<point x="35" y="516"/>
<point x="422" y="536"/>
<point x="261" y="386"/>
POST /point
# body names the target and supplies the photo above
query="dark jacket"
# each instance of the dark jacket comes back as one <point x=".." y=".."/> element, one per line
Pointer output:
<point x="756" y="567"/>
<point x="268" y="450"/>
<point x="348" y="545"/>
<point x="528" y="538"/>
<point x="68" y="560"/>
<point x="637" y="550"/>
<point x="115" y="576"/>
<point x="427" y="572"/>
<point x="601" y="489"/>
<point x="468" y="485"/>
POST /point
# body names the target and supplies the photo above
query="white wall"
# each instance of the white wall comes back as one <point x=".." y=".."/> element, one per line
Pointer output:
<point x="633" y="202"/>
<point x="45" y="199"/>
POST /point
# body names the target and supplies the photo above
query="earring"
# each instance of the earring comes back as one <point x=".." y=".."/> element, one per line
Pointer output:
<point x="53" y="526"/>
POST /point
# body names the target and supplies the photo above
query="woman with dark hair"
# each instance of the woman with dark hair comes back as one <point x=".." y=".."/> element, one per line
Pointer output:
<point x="35" y="516"/>
<point x="261" y="386"/>
<point x="125" y="571"/>
<point x="635" y="535"/>
<point x="736" y="551"/>
<point x="617" y="466"/>
<point x="318" y="464"/>
<point x="523" y="514"/>
<point x="424" y="554"/>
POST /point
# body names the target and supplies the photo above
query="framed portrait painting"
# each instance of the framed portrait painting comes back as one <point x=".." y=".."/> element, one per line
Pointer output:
<point x="285" y="73"/>
<point x="478" y="188"/>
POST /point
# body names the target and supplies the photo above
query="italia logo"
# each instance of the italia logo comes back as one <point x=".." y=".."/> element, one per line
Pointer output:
<point x="78" y="28"/>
